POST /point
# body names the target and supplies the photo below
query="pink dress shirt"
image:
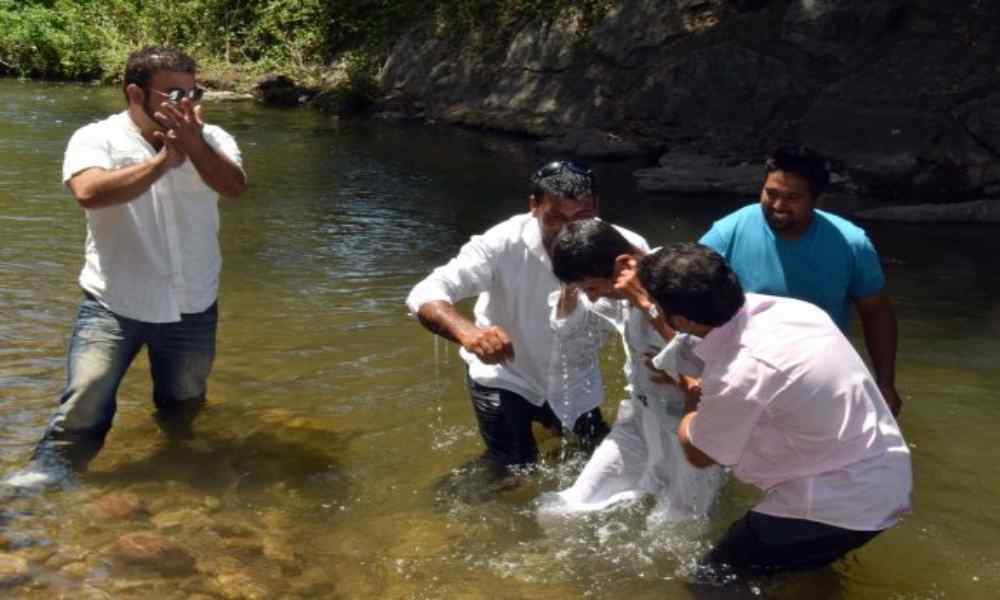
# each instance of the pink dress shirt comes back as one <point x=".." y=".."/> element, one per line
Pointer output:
<point x="791" y="406"/>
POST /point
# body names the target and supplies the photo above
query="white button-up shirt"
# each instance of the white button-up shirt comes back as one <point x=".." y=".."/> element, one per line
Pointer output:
<point x="510" y="271"/>
<point x="787" y="401"/>
<point x="157" y="256"/>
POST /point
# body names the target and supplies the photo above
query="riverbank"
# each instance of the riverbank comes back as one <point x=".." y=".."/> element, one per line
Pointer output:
<point x="902" y="95"/>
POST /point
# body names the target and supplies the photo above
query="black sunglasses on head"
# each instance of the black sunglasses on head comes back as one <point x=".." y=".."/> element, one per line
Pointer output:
<point x="558" y="166"/>
<point x="175" y="95"/>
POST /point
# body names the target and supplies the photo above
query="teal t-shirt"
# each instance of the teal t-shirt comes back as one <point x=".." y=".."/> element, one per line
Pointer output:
<point x="832" y="264"/>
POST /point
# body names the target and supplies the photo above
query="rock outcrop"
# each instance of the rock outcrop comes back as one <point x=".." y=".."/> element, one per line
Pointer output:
<point x="902" y="95"/>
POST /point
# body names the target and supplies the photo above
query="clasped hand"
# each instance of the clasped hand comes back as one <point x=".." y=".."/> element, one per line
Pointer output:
<point x="182" y="136"/>
<point x="490" y="344"/>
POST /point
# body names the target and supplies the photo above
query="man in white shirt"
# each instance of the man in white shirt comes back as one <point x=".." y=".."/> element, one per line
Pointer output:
<point x="509" y="347"/>
<point x="148" y="179"/>
<point x="790" y="405"/>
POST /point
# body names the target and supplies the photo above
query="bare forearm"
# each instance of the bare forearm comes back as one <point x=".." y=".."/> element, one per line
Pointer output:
<point x="696" y="457"/>
<point x="99" y="188"/>
<point x="881" y="337"/>
<point x="441" y="318"/>
<point x="217" y="171"/>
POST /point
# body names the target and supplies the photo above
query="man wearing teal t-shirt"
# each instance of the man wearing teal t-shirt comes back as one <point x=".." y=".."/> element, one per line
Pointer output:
<point x="785" y="246"/>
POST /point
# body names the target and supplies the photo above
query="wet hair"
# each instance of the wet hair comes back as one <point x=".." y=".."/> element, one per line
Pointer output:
<point x="563" y="178"/>
<point x="587" y="248"/>
<point x="801" y="161"/>
<point x="693" y="281"/>
<point x="143" y="64"/>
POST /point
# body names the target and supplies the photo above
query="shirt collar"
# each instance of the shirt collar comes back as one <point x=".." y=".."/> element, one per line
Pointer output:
<point x="531" y="233"/>
<point x="125" y="119"/>
<point x="724" y="335"/>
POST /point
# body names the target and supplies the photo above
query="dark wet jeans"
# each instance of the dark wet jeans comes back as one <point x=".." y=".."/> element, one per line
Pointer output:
<point x="760" y="544"/>
<point x="101" y="348"/>
<point x="505" y="420"/>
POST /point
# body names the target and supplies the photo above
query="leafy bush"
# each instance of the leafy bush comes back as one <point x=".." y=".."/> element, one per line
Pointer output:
<point x="82" y="39"/>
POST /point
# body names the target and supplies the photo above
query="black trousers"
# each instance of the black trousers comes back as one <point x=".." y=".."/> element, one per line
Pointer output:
<point x="759" y="544"/>
<point x="505" y="420"/>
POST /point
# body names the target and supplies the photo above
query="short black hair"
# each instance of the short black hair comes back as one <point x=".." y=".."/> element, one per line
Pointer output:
<point x="587" y="248"/>
<point x="693" y="281"/>
<point x="143" y="64"/>
<point x="563" y="178"/>
<point x="804" y="162"/>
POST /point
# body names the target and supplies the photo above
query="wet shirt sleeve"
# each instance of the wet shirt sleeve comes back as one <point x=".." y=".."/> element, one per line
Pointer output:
<point x="867" y="278"/>
<point x="678" y="358"/>
<point x="467" y="275"/>
<point x="223" y="143"/>
<point x="87" y="149"/>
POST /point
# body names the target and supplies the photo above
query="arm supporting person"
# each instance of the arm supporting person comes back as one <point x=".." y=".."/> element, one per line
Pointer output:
<point x="694" y="456"/>
<point x="879" y="324"/>
<point x="490" y="344"/>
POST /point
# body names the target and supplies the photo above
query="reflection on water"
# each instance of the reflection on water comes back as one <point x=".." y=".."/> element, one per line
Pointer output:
<point x="337" y="455"/>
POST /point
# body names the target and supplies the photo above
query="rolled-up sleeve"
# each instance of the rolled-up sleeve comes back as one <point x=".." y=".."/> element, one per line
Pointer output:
<point x="468" y="274"/>
<point x="222" y="142"/>
<point x="87" y="149"/>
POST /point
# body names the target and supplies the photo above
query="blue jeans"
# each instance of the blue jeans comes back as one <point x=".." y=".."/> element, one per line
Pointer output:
<point x="101" y="349"/>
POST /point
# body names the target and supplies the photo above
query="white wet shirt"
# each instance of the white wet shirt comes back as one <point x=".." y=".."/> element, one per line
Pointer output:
<point x="641" y="455"/>
<point x="509" y="270"/>
<point x="158" y="256"/>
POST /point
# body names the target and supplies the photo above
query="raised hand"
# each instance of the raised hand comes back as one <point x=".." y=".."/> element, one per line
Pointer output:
<point x="171" y="151"/>
<point x="568" y="297"/>
<point x="184" y="124"/>
<point x="627" y="282"/>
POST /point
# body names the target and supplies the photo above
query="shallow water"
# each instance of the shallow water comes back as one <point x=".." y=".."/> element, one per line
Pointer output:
<point x="335" y="457"/>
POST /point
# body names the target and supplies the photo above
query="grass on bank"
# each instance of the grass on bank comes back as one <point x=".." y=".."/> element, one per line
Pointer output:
<point x="237" y="41"/>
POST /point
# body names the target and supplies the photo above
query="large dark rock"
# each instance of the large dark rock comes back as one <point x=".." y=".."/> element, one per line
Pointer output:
<point x="977" y="211"/>
<point x="279" y="90"/>
<point x="903" y="95"/>
<point x="686" y="173"/>
<point x="839" y="29"/>
<point x="634" y="28"/>
<point x="722" y="91"/>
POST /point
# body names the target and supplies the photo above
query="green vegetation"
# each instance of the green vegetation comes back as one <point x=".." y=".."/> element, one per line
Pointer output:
<point x="235" y="40"/>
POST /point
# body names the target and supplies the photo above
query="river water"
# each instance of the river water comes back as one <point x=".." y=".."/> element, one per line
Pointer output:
<point x="333" y="460"/>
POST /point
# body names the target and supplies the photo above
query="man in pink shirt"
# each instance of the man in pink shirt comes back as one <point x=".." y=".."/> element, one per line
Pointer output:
<point x="787" y="402"/>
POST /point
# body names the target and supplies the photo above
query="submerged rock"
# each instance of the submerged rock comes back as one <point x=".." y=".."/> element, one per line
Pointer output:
<point x="118" y="506"/>
<point x="979" y="211"/>
<point x="237" y="585"/>
<point x="153" y="551"/>
<point x="181" y="519"/>
<point x="594" y="143"/>
<point x="13" y="570"/>
<point x="688" y="173"/>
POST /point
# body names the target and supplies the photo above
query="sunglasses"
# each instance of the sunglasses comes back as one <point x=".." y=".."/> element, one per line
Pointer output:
<point x="558" y="166"/>
<point x="175" y="95"/>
